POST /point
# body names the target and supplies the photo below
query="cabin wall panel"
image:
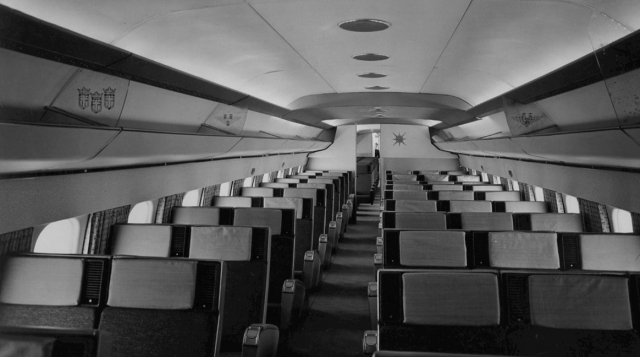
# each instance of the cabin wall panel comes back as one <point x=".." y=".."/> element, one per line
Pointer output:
<point x="615" y="188"/>
<point x="29" y="202"/>
<point x="341" y="155"/>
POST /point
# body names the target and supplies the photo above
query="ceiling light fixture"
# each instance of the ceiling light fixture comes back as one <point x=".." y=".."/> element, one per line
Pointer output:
<point x="376" y="88"/>
<point x="370" y="57"/>
<point x="372" y="75"/>
<point x="364" y="25"/>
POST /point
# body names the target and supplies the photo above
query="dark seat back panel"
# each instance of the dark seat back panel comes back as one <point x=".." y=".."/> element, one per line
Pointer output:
<point x="146" y="332"/>
<point x="449" y="339"/>
<point x="57" y="316"/>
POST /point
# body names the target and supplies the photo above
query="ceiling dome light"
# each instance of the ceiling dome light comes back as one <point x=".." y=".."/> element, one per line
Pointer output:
<point x="364" y="25"/>
<point x="372" y="75"/>
<point x="376" y="88"/>
<point x="370" y="57"/>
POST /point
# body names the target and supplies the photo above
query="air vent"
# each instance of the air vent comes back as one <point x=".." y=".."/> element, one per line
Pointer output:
<point x="370" y="57"/>
<point x="372" y="75"/>
<point x="517" y="292"/>
<point x="376" y="88"/>
<point x="92" y="282"/>
<point x="179" y="241"/>
<point x="207" y="286"/>
<point x="364" y="25"/>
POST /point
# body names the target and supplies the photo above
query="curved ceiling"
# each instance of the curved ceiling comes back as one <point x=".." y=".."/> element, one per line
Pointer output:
<point x="452" y="54"/>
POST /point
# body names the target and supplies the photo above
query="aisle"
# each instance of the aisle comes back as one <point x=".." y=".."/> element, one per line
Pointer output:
<point x="339" y="312"/>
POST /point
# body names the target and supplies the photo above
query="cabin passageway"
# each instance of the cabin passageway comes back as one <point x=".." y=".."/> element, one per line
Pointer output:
<point x="339" y="311"/>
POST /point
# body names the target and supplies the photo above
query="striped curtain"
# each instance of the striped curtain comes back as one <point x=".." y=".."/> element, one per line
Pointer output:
<point x="273" y="176"/>
<point x="236" y="187"/>
<point x="97" y="238"/>
<point x="594" y="216"/>
<point x="506" y="184"/>
<point x="16" y="241"/>
<point x="208" y="193"/>
<point x="526" y="192"/>
<point x="555" y="200"/>
<point x="257" y="180"/>
<point x="165" y="205"/>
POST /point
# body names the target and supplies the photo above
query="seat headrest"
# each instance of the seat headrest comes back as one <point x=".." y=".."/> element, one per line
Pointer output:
<point x="446" y="187"/>
<point x="481" y="221"/>
<point x="526" y="207"/>
<point x="586" y="302"/>
<point x="420" y="220"/>
<point x="285" y="202"/>
<point x="409" y="195"/>
<point x="470" y="206"/>
<point x="30" y="280"/>
<point x="196" y="215"/>
<point x="232" y="201"/>
<point x="221" y="243"/>
<point x="416" y="206"/>
<point x="151" y="240"/>
<point x="152" y="283"/>
<point x="527" y="250"/>
<point x="610" y="252"/>
<point x="455" y="195"/>
<point x="451" y="299"/>
<point x="556" y="222"/>
<point x="433" y="248"/>
<point x="259" y="217"/>
<point x="258" y="191"/>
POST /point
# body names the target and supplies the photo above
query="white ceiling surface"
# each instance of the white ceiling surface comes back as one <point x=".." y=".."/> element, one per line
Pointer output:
<point x="279" y="51"/>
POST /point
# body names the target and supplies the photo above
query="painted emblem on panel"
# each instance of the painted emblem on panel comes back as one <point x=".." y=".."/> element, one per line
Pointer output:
<point x="109" y="98"/>
<point x="527" y="120"/>
<point x="83" y="97"/>
<point x="399" y="139"/>
<point x="96" y="100"/>
<point x="227" y="118"/>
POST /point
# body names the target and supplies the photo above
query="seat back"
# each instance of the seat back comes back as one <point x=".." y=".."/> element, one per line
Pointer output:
<point x="498" y="195"/>
<point x="516" y="250"/>
<point x="450" y="311"/>
<point x="235" y="201"/>
<point x="405" y="195"/>
<point x="455" y="195"/>
<point x="468" y="178"/>
<point x="264" y="191"/>
<point x="414" y="220"/>
<point x="410" y="206"/>
<point x="202" y="215"/>
<point x="605" y="251"/>
<point x="470" y="206"/>
<point x="52" y="290"/>
<point x="481" y="221"/>
<point x="424" y="249"/>
<point x="165" y="307"/>
<point x="552" y="222"/>
<point x="484" y="188"/>
<point x="276" y="185"/>
<point x="521" y="207"/>
<point x="41" y="341"/>
<point x="244" y="249"/>
<point x="445" y="187"/>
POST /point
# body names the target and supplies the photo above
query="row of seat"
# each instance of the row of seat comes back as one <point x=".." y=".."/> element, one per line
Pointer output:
<point x="249" y="257"/>
<point x="498" y="283"/>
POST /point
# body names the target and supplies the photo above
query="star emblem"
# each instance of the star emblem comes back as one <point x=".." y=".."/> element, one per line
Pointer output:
<point x="399" y="139"/>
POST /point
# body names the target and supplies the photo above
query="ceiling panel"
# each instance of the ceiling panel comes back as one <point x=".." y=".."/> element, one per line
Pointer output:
<point x="105" y="20"/>
<point x="418" y="33"/>
<point x="229" y="45"/>
<point x="513" y="41"/>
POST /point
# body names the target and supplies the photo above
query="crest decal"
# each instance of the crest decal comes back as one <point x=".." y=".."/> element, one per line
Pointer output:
<point x="226" y="118"/>
<point x="109" y="98"/>
<point x="527" y="120"/>
<point x="83" y="97"/>
<point x="96" y="102"/>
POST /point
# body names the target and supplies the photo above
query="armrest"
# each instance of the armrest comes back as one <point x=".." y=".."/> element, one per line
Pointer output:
<point x="370" y="342"/>
<point x="260" y="340"/>
<point x="373" y="304"/>
<point x="292" y="303"/>
<point x="379" y="245"/>
<point x="333" y="236"/>
<point x="345" y="217"/>
<point x="339" y="225"/>
<point x="324" y="248"/>
<point x="311" y="270"/>
<point x="377" y="264"/>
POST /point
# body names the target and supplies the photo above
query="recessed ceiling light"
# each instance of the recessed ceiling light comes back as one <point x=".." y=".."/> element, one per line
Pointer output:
<point x="376" y="88"/>
<point x="364" y="25"/>
<point x="372" y="75"/>
<point x="370" y="57"/>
